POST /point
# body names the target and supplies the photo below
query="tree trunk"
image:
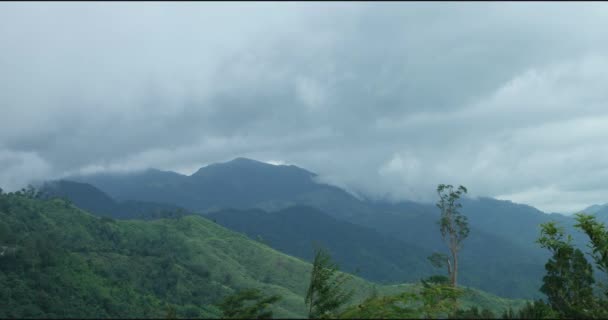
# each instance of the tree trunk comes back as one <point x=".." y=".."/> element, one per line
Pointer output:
<point x="449" y="267"/>
<point x="455" y="270"/>
<point x="454" y="258"/>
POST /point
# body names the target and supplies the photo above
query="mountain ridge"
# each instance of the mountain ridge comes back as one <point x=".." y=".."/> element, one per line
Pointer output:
<point x="242" y="184"/>
<point x="248" y="163"/>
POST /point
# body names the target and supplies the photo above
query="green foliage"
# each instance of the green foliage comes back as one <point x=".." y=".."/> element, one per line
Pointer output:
<point x="569" y="279"/>
<point x="438" y="260"/>
<point x="399" y="306"/>
<point x="472" y="313"/>
<point x="325" y="294"/>
<point x="509" y="314"/>
<point x="62" y="262"/>
<point x="427" y="300"/>
<point x="598" y="235"/>
<point x="438" y="299"/>
<point x="536" y="310"/>
<point x="437" y="279"/>
<point x="171" y="313"/>
<point x="453" y="225"/>
<point x="248" y="304"/>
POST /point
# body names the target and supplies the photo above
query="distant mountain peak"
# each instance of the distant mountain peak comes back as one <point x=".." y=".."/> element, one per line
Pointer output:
<point x="593" y="209"/>
<point x="247" y="164"/>
<point x="253" y="162"/>
<point x="245" y="160"/>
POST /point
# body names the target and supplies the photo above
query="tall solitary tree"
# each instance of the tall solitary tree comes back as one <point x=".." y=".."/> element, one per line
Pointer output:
<point x="325" y="294"/>
<point x="453" y="225"/>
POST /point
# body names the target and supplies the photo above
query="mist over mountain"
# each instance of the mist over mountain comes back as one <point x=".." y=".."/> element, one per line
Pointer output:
<point x="377" y="103"/>
<point x="240" y="183"/>
<point x="173" y="160"/>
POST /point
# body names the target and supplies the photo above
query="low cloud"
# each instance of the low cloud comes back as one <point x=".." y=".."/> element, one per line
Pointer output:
<point x="386" y="100"/>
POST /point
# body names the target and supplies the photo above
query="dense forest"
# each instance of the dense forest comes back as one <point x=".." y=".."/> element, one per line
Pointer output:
<point x="60" y="261"/>
<point x="165" y="261"/>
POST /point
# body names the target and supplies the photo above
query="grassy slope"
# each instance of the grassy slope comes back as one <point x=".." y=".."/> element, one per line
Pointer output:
<point x="85" y="266"/>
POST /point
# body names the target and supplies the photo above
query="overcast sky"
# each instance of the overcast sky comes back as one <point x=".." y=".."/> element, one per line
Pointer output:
<point x="384" y="99"/>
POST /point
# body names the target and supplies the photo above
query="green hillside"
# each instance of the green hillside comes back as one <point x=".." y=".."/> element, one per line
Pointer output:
<point x="60" y="261"/>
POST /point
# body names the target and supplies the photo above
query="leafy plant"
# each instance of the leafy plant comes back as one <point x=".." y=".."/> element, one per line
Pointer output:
<point x="248" y="304"/>
<point x="569" y="279"/>
<point x="537" y="310"/>
<point x="325" y="294"/>
<point x="429" y="300"/>
<point x="472" y="313"/>
<point x="438" y="299"/>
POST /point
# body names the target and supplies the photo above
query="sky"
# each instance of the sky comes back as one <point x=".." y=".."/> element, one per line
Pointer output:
<point x="386" y="100"/>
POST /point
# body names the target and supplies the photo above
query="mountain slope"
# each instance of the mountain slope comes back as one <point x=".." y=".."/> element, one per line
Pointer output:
<point x="356" y="249"/>
<point x="487" y="261"/>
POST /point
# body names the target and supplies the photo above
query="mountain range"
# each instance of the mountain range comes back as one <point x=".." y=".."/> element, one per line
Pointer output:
<point x="64" y="262"/>
<point x="288" y="209"/>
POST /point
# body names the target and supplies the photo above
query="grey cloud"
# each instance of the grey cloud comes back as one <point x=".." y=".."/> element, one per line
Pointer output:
<point x="20" y="167"/>
<point x="386" y="100"/>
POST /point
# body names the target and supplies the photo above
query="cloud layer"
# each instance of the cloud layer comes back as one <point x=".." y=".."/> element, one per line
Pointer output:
<point x="384" y="99"/>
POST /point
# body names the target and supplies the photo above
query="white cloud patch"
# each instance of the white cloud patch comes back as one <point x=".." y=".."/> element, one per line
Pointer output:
<point x="18" y="167"/>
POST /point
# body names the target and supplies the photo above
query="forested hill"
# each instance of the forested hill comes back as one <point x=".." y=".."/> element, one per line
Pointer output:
<point x="60" y="261"/>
